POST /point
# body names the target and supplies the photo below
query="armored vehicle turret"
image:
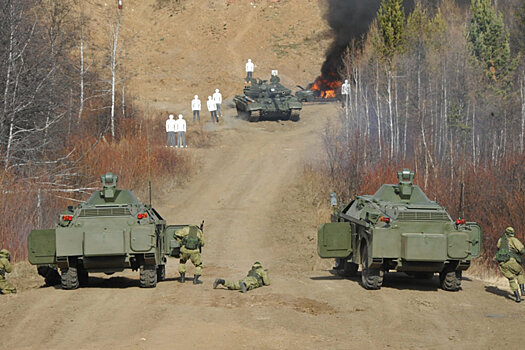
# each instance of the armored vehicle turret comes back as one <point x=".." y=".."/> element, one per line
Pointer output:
<point x="110" y="232"/>
<point x="399" y="228"/>
<point x="267" y="100"/>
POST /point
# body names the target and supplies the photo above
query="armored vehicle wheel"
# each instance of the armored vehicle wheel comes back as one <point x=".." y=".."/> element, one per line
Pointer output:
<point x="254" y="116"/>
<point x="370" y="278"/>
<point x="69" y="278"/>
<point x="350" y="269"/>
<point x="450" y="280"/>
<point x="83" y="277"/>
<point x="294" y="115"/>
<point x="161" y="273"/>
<point x="148" y="276"/>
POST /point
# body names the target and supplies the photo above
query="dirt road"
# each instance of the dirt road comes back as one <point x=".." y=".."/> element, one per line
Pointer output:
<point x="245" y="191"/>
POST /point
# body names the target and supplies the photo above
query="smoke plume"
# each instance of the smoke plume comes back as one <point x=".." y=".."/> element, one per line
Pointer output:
<point x="350" y="20"/>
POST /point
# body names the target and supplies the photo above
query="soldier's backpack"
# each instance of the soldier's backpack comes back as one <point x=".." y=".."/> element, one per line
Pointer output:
<point x="191" y="241"/>
<point x="503" y="254"/>
<point x="253" y="273"/>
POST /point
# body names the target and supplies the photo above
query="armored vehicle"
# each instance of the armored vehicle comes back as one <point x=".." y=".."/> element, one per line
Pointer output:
<point x="305" y="95"/>
<point x="263" y="100"/>
<point x="110" y="232"/>
<point x="399" y="228"/>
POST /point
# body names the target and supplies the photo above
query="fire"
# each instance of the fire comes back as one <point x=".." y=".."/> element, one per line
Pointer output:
<point x="326" y="87"/>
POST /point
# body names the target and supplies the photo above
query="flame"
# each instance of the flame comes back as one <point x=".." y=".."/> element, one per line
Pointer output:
<point x="326" y="87"/>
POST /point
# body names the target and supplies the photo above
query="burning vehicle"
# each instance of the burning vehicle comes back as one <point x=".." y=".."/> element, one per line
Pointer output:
<point x="323" y="89"/>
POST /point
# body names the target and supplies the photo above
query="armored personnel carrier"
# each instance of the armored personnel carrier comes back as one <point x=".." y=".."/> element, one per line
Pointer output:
<point x="399" y="228"/>
<point x="267" y="100"/>
<point x="110" y="232"/>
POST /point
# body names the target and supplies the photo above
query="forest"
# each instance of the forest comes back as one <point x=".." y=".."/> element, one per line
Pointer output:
<point x="66" y="118"/>
<point x="440" y="90"/>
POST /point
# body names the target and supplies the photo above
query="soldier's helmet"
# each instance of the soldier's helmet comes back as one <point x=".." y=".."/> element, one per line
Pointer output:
<point x="509" y="231"/>
<point x="5" y="253"/>
<point x="257" y="265"/>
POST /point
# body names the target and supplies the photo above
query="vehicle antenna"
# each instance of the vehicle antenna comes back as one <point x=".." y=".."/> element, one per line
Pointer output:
<point x="148" y="148"/>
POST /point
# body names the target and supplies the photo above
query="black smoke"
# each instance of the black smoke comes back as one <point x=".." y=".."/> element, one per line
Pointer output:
<point x="350" y="21"/>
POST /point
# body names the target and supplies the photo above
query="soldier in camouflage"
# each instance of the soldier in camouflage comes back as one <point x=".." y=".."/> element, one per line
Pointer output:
<point x="512" y="250"/>
<point x="5" y="267"/>
<point x="257" y="277"/>
<point x="192" y="241"/>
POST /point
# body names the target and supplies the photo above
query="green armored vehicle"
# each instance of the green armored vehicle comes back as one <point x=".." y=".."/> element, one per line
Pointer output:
<point x="263" y="100"/>
<point x="399" y="228"/>
<point x="110" y="232"/>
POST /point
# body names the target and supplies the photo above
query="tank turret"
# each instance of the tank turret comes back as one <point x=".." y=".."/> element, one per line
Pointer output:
<point x="405" y="187"/>
<point x="109" y="186"/>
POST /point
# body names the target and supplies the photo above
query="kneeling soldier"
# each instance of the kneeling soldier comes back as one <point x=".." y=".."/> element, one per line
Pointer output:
<point x="5" y="267"/>
<point x="257" y="277"/>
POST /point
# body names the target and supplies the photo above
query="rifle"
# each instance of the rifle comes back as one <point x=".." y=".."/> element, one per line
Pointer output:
<point x="201" y="227"/>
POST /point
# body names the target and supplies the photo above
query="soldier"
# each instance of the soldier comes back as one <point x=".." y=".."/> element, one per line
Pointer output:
<point x="5" y="267"/>
<point x="257" y="277"/>
<point x="509" y="259"/>
<point x="192" y="241"/>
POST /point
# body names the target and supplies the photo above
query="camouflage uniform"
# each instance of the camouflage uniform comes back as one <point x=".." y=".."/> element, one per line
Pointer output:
<point x="512" y="269"/>
<point x="257" y="277"/>
<point x="5" y="267"/>
<point x="190" y="254"/>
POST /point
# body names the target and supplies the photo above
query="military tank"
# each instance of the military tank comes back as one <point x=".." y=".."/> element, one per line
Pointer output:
<point x="400" y="229"/>
<point x="267" y="100"/>
<point x="109" y="233"/>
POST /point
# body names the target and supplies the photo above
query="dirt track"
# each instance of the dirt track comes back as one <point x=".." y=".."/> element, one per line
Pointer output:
<point x="245" y="193"/>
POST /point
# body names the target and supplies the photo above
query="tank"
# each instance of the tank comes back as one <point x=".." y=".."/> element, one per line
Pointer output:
<point x="399" y="229"/>
<point x="109" y="233"/>
<point x="267" y="100"/>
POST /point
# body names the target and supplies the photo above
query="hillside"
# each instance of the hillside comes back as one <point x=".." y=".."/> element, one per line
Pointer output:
<point x="173" y="50"/>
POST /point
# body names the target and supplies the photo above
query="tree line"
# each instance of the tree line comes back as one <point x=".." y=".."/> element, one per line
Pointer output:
<point x="440" y="90"/>
<point x="64" y="114"/>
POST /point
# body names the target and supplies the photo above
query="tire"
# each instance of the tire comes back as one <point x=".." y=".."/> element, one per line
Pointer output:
<point x="450" y="280"/>
<point x="148" y="277"/>
<point x="370" y="278"/>
<point x="161" y="273"/>
<point x="350" y="269"/>
<point x="254" y="116"/>
<point x="294" y="115"/>
<point x="69" y="278"/>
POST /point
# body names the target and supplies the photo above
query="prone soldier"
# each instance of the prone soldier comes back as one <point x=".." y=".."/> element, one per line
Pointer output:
<point x="192" y="241"/>
<point x="509" y="259"/>
<point x="257" y="277"/>
<point x="5" y="267"/>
